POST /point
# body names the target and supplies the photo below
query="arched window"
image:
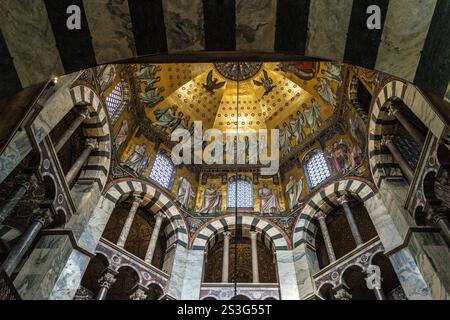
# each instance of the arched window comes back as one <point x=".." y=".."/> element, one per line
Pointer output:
<point x="242" y="197"/>
<point x="163" y="171"/>
<point x="116" y="102"/>
<point x="316" y="168"/>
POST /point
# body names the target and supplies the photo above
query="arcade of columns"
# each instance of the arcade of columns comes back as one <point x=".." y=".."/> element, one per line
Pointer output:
<point x="45" y="218"/>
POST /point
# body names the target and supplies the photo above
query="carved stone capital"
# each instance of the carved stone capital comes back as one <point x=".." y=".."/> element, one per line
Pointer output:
<point x="83" y="111"/>
<point x="139" y="293"/>
<point x="437" y="214"/>
<point x="342" y="292"/>
<point x="91" y="142"/>
<point x="227" y="234"/>
<point x="343" y="200"/>
<point x="320" y="215"/>
<point x="373" y="279"/>
<point x="387" y="139"/>
<point x="253" y="234"/>
<point x="107" y="280"/>
<point x="44" y="218"/>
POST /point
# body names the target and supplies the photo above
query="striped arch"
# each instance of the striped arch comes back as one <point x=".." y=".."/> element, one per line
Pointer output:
<point x="381" y="123"/>
<point x="326" y="201"/>
<point x="97" y="166"/>
<point x="268" y="231"/>
<point x="155" y="201"/>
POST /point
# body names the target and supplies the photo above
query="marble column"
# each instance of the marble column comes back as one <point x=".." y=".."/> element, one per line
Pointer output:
<point x="343" y="200"/>
<point x="255" y="271"/>
<point x="438" y="216"/>
<point x="15" y="256"/>
<point x="226" y="256"/>
<point x="83" y="114"/>
<point x="106" y="282"/>
<point x="91" y="144"/>
<point x="139" y="293"/>
<point x="373" y="281"/>
<point x="418" y="137"/>
<point x="326" y="236"/>
<point x="154" y="238"/>
<point x="13" y="200"/>
<point x="404" y="166"/>
<point x="342" y="292"/>
<point x="128" y="222"/>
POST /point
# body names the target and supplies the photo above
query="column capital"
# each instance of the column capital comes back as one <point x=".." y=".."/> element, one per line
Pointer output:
<point x="387" y="139"/>
<point x="160" y="215"/>
<point x="320" y="215"/>
<point x="227" y="234"/>
<point x="139" y="293"/>
<point x="83" y="111"/>
<point x="373" y="279"/>
<point x="393" y="109"/>
<point x="343" y="199"/>
<point x="342" y="292"/>
<point x="44" y="217"/>
<point x="92" y="142"/>
<point x="108" y="279"/>
<point x="253" y="234"/>
<point x="436" y="214"/>
<point x="137" y="201"/>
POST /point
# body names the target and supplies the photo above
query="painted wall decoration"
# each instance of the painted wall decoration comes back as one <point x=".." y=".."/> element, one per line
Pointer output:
<point x="106" y="76"/>
<point x="185" y="193"/>
<point x="122" y="135"/>
<point x="150" y="93"/>
<point x="138" y="161"/>
<point x="305" y="70"/>
<point x="212" y="84"/>
<point x="269" y="201"/>
<point x="294" y="190"/>
<point x="212" y="200"/>
<point x="338" y="156"/>
<point x="266" y="82"/>
<point x="332" y="72"/>
<point x="326" y="92"/>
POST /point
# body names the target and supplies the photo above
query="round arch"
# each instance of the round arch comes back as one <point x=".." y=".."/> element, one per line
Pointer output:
<point x="96" y="126"/>
<point x="155" y="200"/>
<point x="326" y="200"/>
<point x="381" y="122"/>
<point x="268" y="229"/>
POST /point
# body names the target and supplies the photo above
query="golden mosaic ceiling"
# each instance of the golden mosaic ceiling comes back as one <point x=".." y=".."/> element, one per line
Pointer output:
<point x="268" y="92"/>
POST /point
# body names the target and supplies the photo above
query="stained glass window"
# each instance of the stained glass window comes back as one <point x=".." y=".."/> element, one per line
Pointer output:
<point x="115" y="103"/>
<point x="316" y="168"/>
<point x="244" y="194"/>
<point x="163" y="171"/>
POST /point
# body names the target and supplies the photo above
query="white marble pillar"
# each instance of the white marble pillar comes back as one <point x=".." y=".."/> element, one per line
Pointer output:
<point x="83" y="114"/>
<point x="106" y="282"/>
<point x="154" y="238"/>
<point x="326" y="236"/>
<point x="404" y="166"/>
<point x="91" y="144"/>
<point x="128" y="222"/>
<point x="13" y="199"/>
<point x="19" y="250"/>
<point x="226" y="256"/>
<point x="418" y="137"/>
<point x="254" y="243"/>
<point x="373" y="281"/>
<point x="351" y="220"/>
